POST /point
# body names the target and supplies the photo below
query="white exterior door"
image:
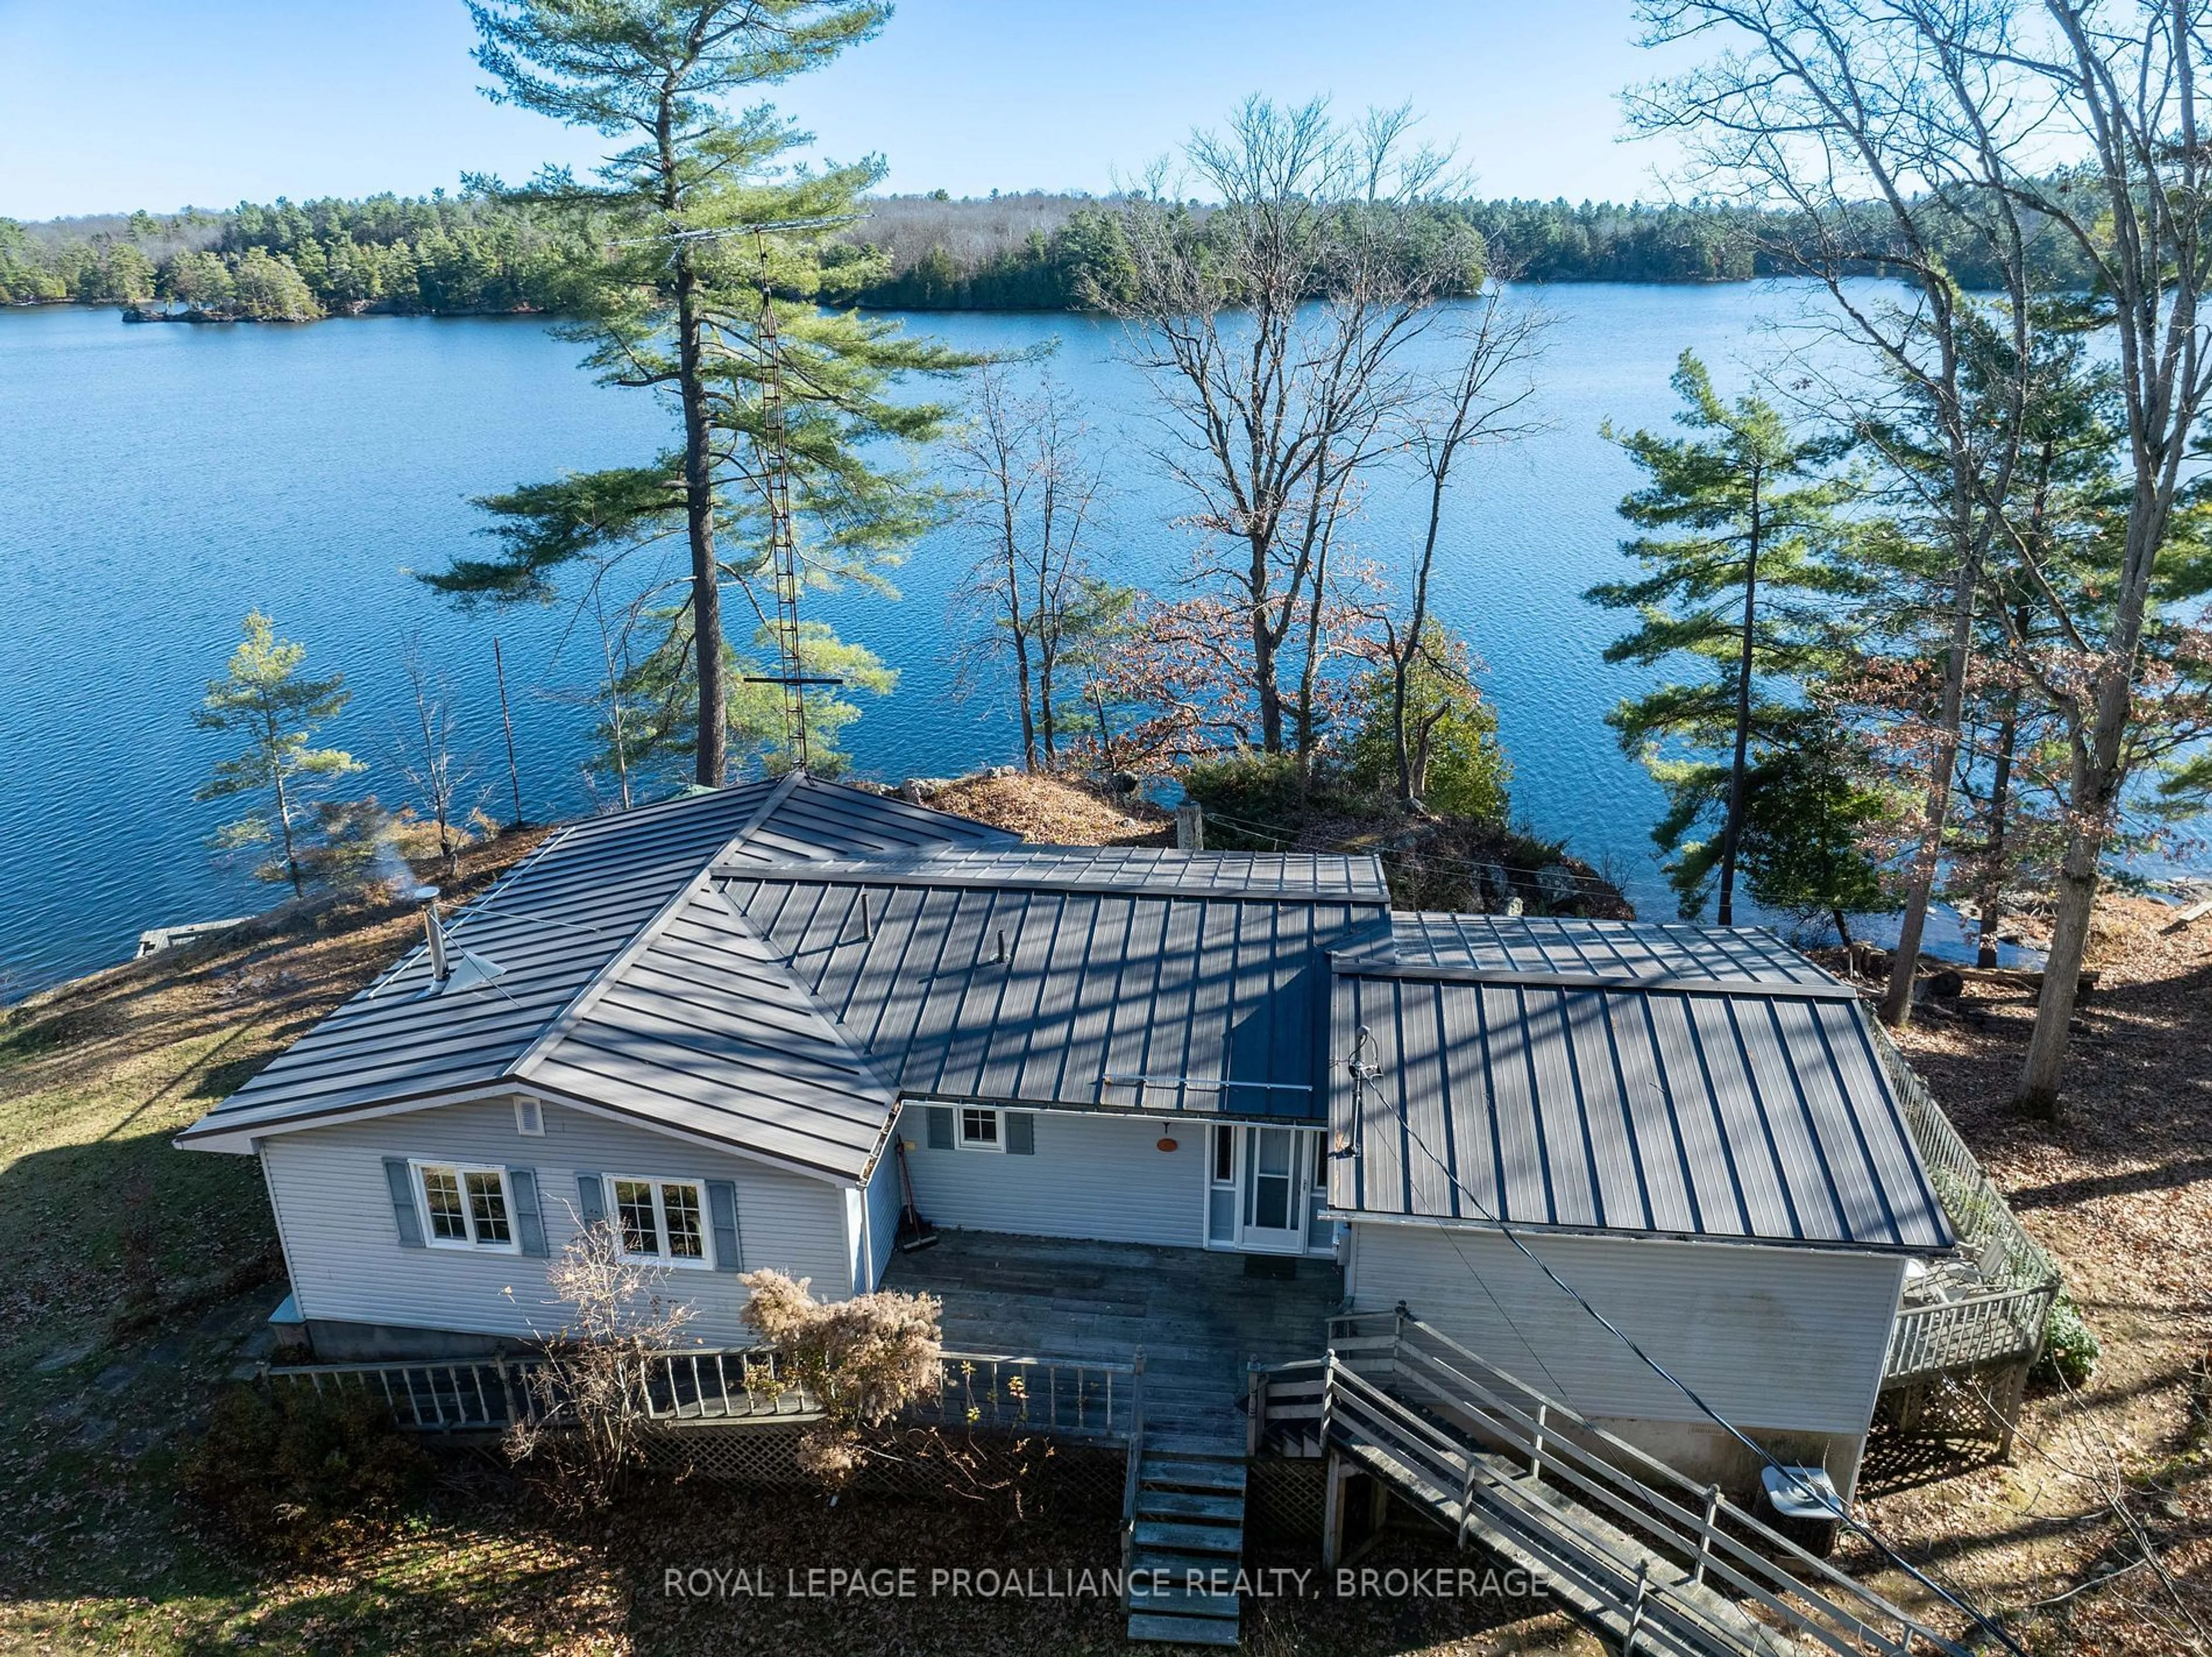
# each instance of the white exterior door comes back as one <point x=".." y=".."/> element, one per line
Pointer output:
<point x="1261" y="1189"/>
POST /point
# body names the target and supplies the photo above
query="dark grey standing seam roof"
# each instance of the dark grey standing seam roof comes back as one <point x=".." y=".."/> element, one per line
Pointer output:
<point x="1161" y="981"/>
<point x="1745" y="1108"/>
<point x="627" y="984"/>
<point x="1639" y="950"/>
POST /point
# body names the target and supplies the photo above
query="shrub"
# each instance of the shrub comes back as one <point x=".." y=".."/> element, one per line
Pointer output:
<point x="1451" y="734"/>
<point x="864" y="1360"/>
<point x="2070" y="1348"/>
<point x="588" y="1428"/>
<point x="293" y="1472"/>
<point x="1255" y="792"/>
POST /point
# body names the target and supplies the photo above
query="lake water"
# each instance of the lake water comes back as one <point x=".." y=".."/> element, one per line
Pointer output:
<point x="157" y="482"/>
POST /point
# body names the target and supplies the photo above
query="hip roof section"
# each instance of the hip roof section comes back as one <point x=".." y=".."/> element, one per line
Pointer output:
<point x="599" y="902"/>
<point x="1541" y="1074"/>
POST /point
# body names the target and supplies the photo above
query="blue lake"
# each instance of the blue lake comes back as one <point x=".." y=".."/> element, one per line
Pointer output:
<point x="158" y="482"/>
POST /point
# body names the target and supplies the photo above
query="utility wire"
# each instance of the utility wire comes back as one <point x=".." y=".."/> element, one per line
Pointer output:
<point x="1362" y="1073"/>
<point x="1285" y="837"/>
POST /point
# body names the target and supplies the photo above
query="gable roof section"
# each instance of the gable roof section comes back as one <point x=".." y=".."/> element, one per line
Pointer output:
<point x="1642" y="1082"/>
<point x="1170" y="987"/>
<point x="606" y="900"/>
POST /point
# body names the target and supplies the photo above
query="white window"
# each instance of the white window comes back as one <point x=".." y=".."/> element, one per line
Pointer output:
<point x="529" y="1117"/>
<point x="979" y="1130"/>
<point x="466" y="1208"/>
<point x="662" y="1220"/>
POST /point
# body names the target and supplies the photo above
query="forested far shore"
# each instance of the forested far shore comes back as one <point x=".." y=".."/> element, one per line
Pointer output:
<point x="475" y="254"/>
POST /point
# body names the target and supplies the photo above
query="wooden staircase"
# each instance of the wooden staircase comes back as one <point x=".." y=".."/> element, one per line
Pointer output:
<point x="1644" y="1556"/>
<point x="1187" y="1539"/>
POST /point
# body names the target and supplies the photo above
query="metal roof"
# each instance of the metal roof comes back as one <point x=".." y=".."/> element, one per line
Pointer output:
<point x="772" y="966"/>
<point x="600" y="902"/>
<point x="1471" y="1086"/>
<point x="1182" y="993"/>
<point x="1128" y="870"/>
<point x="1640" y="951"/>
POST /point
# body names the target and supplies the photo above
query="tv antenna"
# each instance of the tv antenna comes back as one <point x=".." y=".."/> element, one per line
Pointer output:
<point x="783" y="542"/>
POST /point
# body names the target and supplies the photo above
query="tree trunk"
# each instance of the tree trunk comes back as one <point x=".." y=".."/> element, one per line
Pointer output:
<point x="1992" y="895"/>
<point x="2045" y="1065"/>
<point x="1022" y="679"/>
<point x="283" y="811"/>
<point x="1047" y="725"/>
<point x="1263" y="655"/>
<point x="699" y="515"/>
<point x="1897" y="995"/>
<point x="1732" y="831"/>
<point x="2099" y="779"/>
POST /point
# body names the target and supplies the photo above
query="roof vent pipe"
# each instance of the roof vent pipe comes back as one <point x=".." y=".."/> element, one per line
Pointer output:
<point x="434" y="928"/>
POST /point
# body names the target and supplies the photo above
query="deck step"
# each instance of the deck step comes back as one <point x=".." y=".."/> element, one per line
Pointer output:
<point x="1182" y="1631"/>
<point x="1190" y="1473"/>
<point x="1195" y="1444"/>
<point x="1178" y="1598"/>
<point x="1190" y="1504"/>
<point x="1180" y="1536"/>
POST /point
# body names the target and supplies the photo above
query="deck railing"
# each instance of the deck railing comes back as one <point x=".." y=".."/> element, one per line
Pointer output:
<point x="710" y="1386"/>
<point x="1465" y="1435"/>
<point x="2001" y="1314"/>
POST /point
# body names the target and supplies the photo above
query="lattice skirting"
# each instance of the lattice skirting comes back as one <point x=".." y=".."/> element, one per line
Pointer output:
<point x="1285" y="1499"/>
<point x="1039" y="1470"/>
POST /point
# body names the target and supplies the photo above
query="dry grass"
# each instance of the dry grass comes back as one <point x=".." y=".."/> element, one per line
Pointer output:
<point x="109" y="1347"/>
<point x="2120" y="1192"/>
<point x="1055" y="810"/>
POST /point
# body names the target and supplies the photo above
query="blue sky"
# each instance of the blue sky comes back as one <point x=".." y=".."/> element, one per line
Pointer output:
<point x="110" y="105"/>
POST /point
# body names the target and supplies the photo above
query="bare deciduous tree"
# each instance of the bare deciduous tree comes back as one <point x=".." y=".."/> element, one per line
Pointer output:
<point x="1276" y="329"/>
<point x="588" y="1420"/>
<point x="1495" y="342"/>
<point x="1034" y="485"/>
<point x="429" y="762"/>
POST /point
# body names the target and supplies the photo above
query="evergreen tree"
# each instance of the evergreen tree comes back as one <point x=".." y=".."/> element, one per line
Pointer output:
<point x="1740" y="528"/>
<point x="671" y="304"/>
<point x="263" y="698"/>
<point x="1815" y="818"/>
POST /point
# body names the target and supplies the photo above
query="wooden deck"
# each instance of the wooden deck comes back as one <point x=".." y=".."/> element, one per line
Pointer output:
<point x="1199" y="1318"/>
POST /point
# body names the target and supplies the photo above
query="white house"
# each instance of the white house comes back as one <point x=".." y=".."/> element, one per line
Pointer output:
<point x="726" y="1020"/>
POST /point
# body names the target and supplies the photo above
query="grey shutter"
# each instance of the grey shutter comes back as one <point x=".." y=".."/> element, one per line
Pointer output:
<point x="590" y="1198"/>
<point x="401" y="1179"/>
<point x="1021" y="1133"/>
<point x="722" y="1209"/>
<point x="529" y="1221"/>
<point x="940" y="1127"/>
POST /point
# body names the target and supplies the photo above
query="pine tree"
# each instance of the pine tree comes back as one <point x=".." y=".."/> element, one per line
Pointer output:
<point x="700" y="212"/>
<point x="1816" y="818"/>
<point x="1739" y="524"/>
<point x="263" y="698"/>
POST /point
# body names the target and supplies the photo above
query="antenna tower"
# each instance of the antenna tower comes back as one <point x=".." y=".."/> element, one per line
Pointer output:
<point x="782" y="545"/>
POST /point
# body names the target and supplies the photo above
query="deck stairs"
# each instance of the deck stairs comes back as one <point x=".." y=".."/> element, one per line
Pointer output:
<point x="1186" y="1536"/>
<point x="1641" y="1554"/>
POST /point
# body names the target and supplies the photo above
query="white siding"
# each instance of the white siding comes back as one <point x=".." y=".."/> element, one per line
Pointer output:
<point x="883" y="1203"/>
<point x="1093" y="1176"/>
<point x="1788" y="1339"/>
<point x="334" y="1213"/>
